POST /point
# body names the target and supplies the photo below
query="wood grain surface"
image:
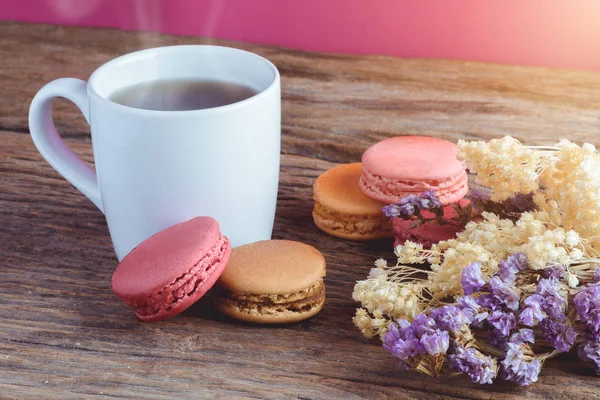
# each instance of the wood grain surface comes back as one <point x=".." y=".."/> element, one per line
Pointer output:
<point x="63" y="334"/>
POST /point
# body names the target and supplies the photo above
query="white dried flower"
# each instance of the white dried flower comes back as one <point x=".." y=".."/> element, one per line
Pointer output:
<point x="576" y="255"/>
<point x="378" y="274"/>
<point x="572" y="280"/>
<point x="504" y="165"/>
<point x="571" y="238"/>
<point x="398" y="250"/>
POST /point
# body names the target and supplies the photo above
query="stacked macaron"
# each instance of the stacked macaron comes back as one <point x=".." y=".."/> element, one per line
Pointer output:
<point x="397" y="167"/>
<point x="271" y="281"/>
<point x="348" y="198"/>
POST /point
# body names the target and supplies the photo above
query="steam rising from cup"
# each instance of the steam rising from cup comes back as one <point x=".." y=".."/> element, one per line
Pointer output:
<point x="150" y="16"/>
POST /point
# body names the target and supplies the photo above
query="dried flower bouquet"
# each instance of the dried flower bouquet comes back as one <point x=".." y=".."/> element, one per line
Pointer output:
<point x="517" y="286"/>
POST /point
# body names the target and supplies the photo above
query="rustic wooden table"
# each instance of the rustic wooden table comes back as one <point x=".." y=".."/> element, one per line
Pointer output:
<point x="63" y="334"/>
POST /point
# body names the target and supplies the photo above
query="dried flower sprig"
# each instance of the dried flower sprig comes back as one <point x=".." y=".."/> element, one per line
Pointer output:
<point x="425" y="208"/>
<point x="388" y="294"/>
<point x="504" y="165"/>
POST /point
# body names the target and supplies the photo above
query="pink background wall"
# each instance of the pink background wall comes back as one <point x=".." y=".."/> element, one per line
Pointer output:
<point x="557" y="33"/>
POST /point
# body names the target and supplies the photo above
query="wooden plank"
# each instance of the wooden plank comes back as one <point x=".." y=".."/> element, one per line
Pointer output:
<point x="63" y="334"/>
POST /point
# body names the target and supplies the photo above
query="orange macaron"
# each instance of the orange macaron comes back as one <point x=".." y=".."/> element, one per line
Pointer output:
<point x="343" y="210"/>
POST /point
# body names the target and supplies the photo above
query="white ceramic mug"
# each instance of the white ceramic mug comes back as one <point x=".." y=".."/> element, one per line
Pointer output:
<point x="157" y="168"/>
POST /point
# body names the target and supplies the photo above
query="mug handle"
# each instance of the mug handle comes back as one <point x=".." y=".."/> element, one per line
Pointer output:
<point x="49" y="143"/>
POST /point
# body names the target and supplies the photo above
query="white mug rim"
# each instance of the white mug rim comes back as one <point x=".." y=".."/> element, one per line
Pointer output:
<point x="115" y="62"/>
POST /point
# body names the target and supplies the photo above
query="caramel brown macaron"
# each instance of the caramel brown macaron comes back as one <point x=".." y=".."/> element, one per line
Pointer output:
<point x="272" y="282"/>
<point x="343" y="210"/>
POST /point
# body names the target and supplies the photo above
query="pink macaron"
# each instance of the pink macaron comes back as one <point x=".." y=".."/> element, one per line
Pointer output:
<point x="399" y="166"/>
<point x="430" y="232"/>
<point x="173" y="269"/>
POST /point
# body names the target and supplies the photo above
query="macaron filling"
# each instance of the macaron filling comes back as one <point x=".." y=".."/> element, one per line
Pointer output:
<point x="409" y="185"/>
<point x="270" y="304"/>
<point x="183" y="286"/>
<point x="346" y="223"/>
<point x="391" y="190"/>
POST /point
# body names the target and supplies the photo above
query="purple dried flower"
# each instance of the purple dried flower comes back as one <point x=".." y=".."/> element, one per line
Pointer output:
<point x="521" y="336"/>
<point x="428" y="200"/>
<point x="504" y="293"/>
<point x="560" y="334"/>
<point x="514" y="263"/>
<point x="497" y="339"/>
<point x="403" y="325"/>
<point x="548" y="287"/>
<point x="390" y="338"/>
<point x="470" y="309"/>
<point x="552" y="301"/>
<point x="478" y="320"/>
<point x="502" y="322"/>
<point x="402" y="343"/>
<point x="410" y="199"/>
<point x="406" y="340"/>
<point x="587" y="305"/>
<point x="506" y="274"/>
<point x="587" y="302"/>
<point x="468" y="306"/>
<point x="471" y="279"/>
<point x="519" y="260"/>
<point x="596" y="277"/>
<point x="429" y="194"/>
<point x="515" y="369"/>
<point x="488" y="301"/>
<point x="589" y="350"/>
<point x="449" y="318"/>
<point x="532" y="314"/>
<point x="436" y="343"/>
<point x="423" y="324"/>
<point x="410" y="204"/>
<point x="399" y="210"/>
<point x="554" y="272"/>
<point x="403" y="350"/>
<point x="479" y="368"/>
